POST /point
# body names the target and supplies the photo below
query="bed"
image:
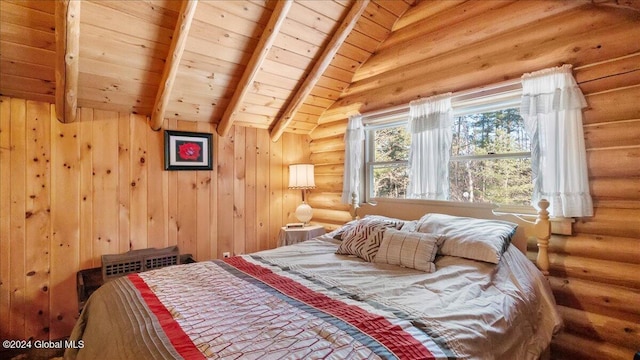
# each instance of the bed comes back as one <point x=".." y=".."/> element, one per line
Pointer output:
<point x="322" y="299"/>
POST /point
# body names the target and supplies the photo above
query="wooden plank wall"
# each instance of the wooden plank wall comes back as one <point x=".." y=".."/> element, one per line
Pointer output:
<point x="594" y="274"/>
<point x="72" y="192"/>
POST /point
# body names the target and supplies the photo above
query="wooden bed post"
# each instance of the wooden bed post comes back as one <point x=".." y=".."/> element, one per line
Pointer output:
<point x="353" y="210"/>
<point x="542" y="233"/>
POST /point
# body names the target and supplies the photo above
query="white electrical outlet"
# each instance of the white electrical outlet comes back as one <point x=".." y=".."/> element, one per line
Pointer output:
<point x="226" y="254"/>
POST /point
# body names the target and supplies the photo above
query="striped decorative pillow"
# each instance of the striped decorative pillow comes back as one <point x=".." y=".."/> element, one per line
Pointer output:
<point x="364" y="238"/>
<point x="408" y="249"/>
<point x="339" y="232"/>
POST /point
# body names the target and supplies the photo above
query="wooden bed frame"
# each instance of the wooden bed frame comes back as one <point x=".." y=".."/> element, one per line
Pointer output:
<point x="529" y="226"/>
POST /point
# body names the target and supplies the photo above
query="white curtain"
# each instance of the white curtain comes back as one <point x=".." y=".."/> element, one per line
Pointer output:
<point x="430" y="125"/>
<point x="353" y="138"/>
<point x="551" y="109"/>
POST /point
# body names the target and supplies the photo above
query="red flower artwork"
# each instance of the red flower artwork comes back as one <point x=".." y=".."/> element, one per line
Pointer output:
<point x="189" y="151"/>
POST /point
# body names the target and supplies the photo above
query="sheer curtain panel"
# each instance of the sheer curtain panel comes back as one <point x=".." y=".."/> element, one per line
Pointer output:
<point x="430" y="125"/>
<point x="353" y="141"/>
<point x="552" y="111"/>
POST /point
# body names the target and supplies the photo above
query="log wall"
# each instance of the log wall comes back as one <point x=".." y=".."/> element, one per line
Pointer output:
<point x="72" y="192"/>
<point x="594" y="273"/>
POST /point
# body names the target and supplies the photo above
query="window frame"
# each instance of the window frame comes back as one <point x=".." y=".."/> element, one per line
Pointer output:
<point x="369" y="151"/>
<point x="492" y="98"/>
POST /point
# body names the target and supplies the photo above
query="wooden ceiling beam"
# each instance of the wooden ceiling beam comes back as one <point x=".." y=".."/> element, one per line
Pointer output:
<point x="178" y="42"/>
<point x="319" y="68"/>
<point x="278" y="16"/>
<point x="67" y="20"/>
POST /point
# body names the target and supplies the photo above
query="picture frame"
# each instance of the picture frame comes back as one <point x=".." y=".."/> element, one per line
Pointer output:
<point x="185" y="150"/>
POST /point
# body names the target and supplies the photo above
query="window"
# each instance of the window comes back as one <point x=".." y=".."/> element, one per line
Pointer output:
<point x="387" y="160"/>
<point x="490" y="159"/>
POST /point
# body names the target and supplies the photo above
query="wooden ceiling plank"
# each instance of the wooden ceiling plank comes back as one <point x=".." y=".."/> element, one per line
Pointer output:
<point x="155" y="14"/>
<point x="107" y="51"/>
<point x="326" y="93"/>
<point x="34" y="71"/>
<point x="395" y="7"/>
<point x="322" y="15"/>
<point x="43" y="6"/>
<point x="372" y="29"/>
<point x="318" y="101"/>
<point x="214" y="13"/>
<point x="355" y="53"/>
<point x="345" y="63"/>
<point x="27" y="54"/>
<point x="220" y="36"/>
<point x="108" y="85"/>
<point x="115" y="107"/>
<point x="27" y="36"/>
<point x="287" y="57"/>
<point x="318" y="69"/>
<point x="284" y="70"/>
<point x="176" y="50"/>
<point x="67" y="19"/>
<point x="276" y="20"/>
<point x="118" y="72"/>
<point x="277" y="80"/>
<point x="136" y="45"/>
<point x="27" y="95"/>
<point x="118" y="22"/>
<point x="362" y="41"/>
<point x="116" y="98"/>
<point x="249" y="10"/>
<point x="217" y="51"/>
<point x="214" y="65"/>
<point x="297" y="46"/>
<point x="424" y="10"/>
<point x="269" y="90"/>
<point x="16" y="13"/>
<point x="304" y="32"/>
<point x="380" y="15"/>
<point x="27" y="84"/>
<point x="258" y="99"/>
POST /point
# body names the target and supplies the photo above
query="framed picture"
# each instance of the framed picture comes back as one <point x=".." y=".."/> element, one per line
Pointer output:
<point x="184" y="150"/>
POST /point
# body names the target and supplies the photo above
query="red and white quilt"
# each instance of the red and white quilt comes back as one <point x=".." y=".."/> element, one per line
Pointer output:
<point x="305" y="302"/>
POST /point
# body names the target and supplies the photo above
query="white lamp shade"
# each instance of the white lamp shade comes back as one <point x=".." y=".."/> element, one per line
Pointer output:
<point x="301" y="176"/>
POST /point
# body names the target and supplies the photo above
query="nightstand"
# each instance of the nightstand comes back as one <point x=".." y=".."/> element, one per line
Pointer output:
<point x="88" y="281"/>
<point x="289" y="236"/>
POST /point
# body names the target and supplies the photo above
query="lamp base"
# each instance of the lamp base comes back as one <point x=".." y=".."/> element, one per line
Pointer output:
<point x="304" y="213"/>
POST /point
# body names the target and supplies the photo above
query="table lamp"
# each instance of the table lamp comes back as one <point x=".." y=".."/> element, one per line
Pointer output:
<point x="301" y="177"/>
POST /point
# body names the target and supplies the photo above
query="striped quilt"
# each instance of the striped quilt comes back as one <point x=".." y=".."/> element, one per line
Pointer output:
<point x="256" y="307"/>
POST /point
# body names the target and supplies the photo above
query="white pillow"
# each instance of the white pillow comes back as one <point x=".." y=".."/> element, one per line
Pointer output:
<point x="471" y="238"/>
<point x="408" y="249"/>
<point x="410" y="225"/>
<point x="365" y="236"/>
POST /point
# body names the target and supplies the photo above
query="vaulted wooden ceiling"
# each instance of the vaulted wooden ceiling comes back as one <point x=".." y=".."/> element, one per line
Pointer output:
<point x="268" y="64"/>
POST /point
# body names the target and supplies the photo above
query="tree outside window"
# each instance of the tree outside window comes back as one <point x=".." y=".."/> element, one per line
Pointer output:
<point x="490" y="159"/>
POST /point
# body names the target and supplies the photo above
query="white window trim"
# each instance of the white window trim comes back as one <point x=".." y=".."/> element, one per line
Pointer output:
<point x="483" y="99"/>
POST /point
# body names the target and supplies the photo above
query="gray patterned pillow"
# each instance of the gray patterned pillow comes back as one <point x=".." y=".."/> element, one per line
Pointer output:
<point x="339" y="232"/>
<point x="408" y="249"/>
<point x="364" y="238"/>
